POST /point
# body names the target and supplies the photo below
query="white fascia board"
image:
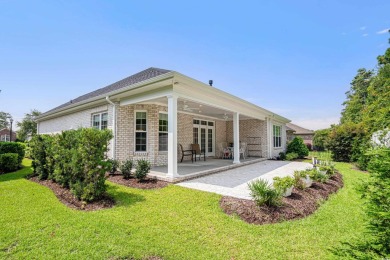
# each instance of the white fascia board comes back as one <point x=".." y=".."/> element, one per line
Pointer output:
<point x="147" y="96"/>
<point x="89" y="102"/>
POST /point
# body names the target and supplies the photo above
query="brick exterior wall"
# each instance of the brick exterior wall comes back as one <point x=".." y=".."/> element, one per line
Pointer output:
<point x="5" y="132"/>
<point x="125" y="138"/>
<point x="254" y="133"/>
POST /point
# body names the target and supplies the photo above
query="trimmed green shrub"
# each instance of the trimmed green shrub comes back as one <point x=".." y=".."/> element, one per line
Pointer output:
<point x="9" y="162"/>
<point x="298" y="146"/>
<point x="282" y="156"/>
<point x="142" y="169"/>
<point x="13" y="147"/>
<point x="114" y="165"/>
<point x="282" y="184"/>
<point x="291" y="156"/>
<point x="264" y="194"/>
<point x="125" y="168"/>
<point x="76" y="159"/>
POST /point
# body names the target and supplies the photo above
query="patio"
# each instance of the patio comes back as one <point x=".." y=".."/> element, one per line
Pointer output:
<point x="234" y="182"/>
<point x="188" y="170"/>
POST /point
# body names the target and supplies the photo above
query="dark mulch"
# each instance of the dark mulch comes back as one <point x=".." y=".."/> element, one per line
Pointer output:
<point x="300" y="204"/>
<point x="148" y="183"/>
<point x="66" y="197"/>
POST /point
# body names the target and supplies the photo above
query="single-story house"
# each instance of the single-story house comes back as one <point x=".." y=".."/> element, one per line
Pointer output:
<point x="296" y="130"/>
<point x="151" y="112"/>
<point x="5" y="135"/>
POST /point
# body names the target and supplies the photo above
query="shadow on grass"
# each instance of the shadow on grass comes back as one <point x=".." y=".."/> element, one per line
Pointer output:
<point x="20" y="174"/>
<point x="123" y="198"/>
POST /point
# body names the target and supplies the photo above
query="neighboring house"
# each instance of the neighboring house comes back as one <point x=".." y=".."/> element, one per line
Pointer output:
<point x="153" y="111"/>
<point x="295" y="130"/>
<point x="5" y="135"/>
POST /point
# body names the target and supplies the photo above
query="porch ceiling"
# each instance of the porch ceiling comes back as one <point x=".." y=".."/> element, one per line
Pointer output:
<point x="197" y="108"/>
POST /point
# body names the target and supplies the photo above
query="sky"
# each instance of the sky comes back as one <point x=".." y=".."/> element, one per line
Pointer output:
<point x="295" y="58"/>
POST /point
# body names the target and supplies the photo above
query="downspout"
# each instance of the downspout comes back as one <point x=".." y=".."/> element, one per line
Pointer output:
<point x="113" y="126"/>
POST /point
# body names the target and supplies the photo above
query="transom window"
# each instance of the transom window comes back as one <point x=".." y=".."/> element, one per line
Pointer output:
<point x="163" y="132"/>
<point x="277" y="136"/>
<point x="140" y="131"/>
<point x="100" y="120"/>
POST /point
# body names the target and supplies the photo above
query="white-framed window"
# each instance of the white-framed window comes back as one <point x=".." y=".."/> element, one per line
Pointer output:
<point x="277" y="136"/>
<point x="100" y="120"/>
<point x="4" y="138"/>
<point x="163" y="132"/>
<point x="141" y="133"/>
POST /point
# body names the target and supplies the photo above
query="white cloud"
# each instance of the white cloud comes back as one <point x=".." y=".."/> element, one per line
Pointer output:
<point x="383" y="31"/>
<point x="316" y="123"/>
<point x="363" y="28"/>
<point x="365" y="35"/>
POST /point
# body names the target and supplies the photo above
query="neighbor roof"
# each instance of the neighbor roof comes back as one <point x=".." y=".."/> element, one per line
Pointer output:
<point x="133" y="79"/>
<point x="299" y="130"/>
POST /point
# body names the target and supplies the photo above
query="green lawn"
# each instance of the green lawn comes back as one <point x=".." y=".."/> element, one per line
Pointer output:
<point x="173" y="223"/>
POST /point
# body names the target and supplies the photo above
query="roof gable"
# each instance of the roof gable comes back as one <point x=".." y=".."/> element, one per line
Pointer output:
<point x="299" y="130"/>
<point x="133" y="79"/>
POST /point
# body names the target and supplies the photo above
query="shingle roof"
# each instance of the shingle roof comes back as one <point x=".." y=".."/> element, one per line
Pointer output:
<point x="298" y="129"/>
<point x="133" y="79"/>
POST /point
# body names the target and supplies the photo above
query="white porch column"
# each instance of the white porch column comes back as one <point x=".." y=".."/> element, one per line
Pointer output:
<point x="236" y="137"/>
<point x="269" y="137"/>
<point x="172" y="136"/>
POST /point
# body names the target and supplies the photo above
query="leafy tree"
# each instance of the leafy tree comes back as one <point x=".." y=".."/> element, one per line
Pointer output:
<point x="321" y="139"/>
<point x="4" y="119"/>
<point x="357" y="97"/>
<point x="28" y="126"/>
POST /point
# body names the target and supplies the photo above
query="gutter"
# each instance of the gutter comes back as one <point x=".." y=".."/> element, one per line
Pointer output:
<point x="113" y="126"/>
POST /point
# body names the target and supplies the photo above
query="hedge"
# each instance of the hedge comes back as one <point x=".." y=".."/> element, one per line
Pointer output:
<point x="9" y="162"/>
<point x="76" y="159"/>
<point x="13" y="147"/>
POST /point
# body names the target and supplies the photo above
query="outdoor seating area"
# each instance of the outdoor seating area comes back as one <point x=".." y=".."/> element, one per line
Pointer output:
<point x="227" y="151"/>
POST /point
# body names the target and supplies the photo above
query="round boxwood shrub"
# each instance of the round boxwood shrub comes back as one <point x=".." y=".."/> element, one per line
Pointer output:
<point x="143" y="168"/>
<point x="298" y="146"/>
<point x="8" y="162"/>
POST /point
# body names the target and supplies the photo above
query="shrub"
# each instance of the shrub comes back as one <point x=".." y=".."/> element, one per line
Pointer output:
<point x="125" y="168"/>
<point x="282" y="184"/>
<point x="321" y="139"/>
<point x="282" y="156"/>
<point x="298" y="179"/>
<point x="316" y="175"/>
<point x="143" y="168"/>
<point x="263" y="193"/>
<point x="114" y="165"/>
<point x="298" y="146"/>
<point x="9" y="162"/>
<point x="291" y="156"/>
<point x="345" y="141"/>
<point x="75" y="159"/>
<point x="330" y="170"/>
<point x="13" y="147"/>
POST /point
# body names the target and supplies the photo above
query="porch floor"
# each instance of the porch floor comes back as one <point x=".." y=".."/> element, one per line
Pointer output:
<point x="188" y="170"/>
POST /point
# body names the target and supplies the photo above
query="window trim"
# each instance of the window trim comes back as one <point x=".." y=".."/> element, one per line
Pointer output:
<point x="135" y="131"/>
<point x="5" y="138"/>
<point x="100" y="119"/>
<point x="279" y="136"/>
<point x="166" y="113"/>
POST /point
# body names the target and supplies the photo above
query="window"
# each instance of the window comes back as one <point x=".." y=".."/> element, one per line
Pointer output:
<point x="140" y="131"/>
<point x="4" y="138"/>
<point x="99" y="121"/>
<point x="163" y="132"/>
<point x="277" y="136"/>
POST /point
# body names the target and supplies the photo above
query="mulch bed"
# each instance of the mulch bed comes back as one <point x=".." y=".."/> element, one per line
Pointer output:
<point x="66" y="197"/>
<point x="148" y="183"/>
<point x="300" y="204"/>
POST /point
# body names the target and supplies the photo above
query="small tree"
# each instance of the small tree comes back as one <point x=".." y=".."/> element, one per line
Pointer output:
<point x="298" y="146"/>
<point x="321" y="139"/>
<point x="28" y="126"/>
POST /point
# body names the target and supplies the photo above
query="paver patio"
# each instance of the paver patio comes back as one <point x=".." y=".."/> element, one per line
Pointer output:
<point x="234" y="182"/>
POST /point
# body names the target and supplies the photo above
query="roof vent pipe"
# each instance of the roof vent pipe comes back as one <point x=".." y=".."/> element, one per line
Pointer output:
<point x="211" y="82"/>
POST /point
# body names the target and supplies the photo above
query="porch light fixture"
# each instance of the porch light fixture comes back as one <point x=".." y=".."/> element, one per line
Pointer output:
<point x="225" y="117"/>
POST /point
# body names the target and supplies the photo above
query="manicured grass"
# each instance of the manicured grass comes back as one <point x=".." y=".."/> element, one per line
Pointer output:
<point x="173" y="223"/>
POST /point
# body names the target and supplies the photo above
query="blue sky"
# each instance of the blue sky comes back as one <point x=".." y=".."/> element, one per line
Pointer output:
<point x="295" y="58"/>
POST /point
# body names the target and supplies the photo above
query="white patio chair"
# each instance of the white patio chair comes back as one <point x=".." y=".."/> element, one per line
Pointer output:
<point x="243" y="149"/>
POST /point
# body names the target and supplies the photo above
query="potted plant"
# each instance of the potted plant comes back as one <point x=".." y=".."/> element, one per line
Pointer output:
<point x="302" y="179"/>
<point x="285" y="185"/>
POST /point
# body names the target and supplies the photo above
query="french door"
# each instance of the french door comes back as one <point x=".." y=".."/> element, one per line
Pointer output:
<point x="204" y="135"/>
